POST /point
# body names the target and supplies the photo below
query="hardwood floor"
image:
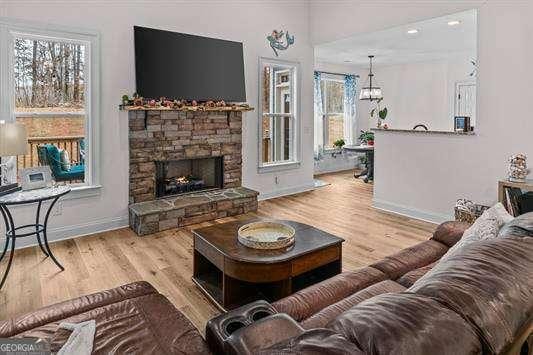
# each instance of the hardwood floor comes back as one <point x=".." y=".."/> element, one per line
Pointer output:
<point x="109" y="259"/>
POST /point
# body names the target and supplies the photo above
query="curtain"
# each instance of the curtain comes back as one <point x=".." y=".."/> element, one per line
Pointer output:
<point x="350" y="127"/>
<point x="319" y="129"/>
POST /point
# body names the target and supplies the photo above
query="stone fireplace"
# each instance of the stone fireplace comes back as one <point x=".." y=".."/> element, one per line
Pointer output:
<point x="185" y="168"/>
<point x="176" y="177"/>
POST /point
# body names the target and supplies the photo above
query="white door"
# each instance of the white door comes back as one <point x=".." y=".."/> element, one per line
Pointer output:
<point x="465" y="101"/>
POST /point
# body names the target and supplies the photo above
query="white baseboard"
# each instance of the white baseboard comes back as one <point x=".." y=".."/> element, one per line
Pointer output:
<point x="332" y="170"/>
<point x="286" y="191"/>
<point x="78" y="230"/>
<point x="410" y="212"/>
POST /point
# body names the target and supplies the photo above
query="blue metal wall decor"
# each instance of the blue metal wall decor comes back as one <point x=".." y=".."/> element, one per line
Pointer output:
<point x="278" y="43"/>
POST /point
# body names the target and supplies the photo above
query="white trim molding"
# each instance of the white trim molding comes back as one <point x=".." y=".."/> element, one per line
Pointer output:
<point x="278" y="167"/>
<point x="410" y="212"/>
<point x="78" y="230"/>
<point x="286" y="191"/>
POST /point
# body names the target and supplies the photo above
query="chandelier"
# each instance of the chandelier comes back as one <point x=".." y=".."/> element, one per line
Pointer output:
<point x="370" y="91"/>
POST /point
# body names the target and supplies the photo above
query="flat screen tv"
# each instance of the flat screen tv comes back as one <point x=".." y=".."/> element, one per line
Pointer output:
<point x="182" y="66"/>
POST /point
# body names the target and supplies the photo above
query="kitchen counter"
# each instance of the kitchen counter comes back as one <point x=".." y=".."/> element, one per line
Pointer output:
<point x="451" y="133"/>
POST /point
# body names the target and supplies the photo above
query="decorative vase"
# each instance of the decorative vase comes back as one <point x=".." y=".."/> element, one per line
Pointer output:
<point x="518" y="168"/>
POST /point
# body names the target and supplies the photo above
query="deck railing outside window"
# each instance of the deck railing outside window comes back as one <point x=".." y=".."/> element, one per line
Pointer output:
<point x="71" y="144"/>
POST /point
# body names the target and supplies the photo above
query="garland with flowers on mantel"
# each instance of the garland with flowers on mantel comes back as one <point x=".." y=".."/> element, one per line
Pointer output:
<point x="163" y="104"/>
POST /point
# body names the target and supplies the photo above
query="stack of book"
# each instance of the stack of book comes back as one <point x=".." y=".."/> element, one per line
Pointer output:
<point x="513" y="200"/>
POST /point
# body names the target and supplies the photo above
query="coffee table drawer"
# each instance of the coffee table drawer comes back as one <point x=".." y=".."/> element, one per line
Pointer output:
<point x="253" y="272"/>
<point x="315" y="259"/>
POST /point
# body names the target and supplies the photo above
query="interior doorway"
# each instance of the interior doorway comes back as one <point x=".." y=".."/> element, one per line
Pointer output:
<point x="465" y="100"/>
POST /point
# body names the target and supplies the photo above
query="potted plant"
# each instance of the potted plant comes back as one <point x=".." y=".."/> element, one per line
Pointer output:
<point x="125" y="100"/>
<point x="367" y="137"/>
<point x="381" y="112"/>
<point x="339" y="143"/>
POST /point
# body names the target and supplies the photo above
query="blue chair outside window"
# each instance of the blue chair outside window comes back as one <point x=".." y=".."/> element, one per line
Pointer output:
<point x="49" y="155"/>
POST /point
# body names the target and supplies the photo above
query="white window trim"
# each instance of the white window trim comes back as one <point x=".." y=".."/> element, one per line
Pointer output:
<point x="331" y="150"/>
<point x="8" y="29"/>
<point x="295" y="139"/>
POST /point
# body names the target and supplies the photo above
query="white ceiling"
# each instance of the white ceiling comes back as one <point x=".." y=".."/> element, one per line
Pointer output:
<point x="435" y="40"/>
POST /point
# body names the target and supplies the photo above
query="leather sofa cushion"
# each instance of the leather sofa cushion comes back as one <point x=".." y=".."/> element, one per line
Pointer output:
<point x="314" y="342"/>
<point x="449" y="233"/>
<point x="62" y="310"/>
<point x="144" y="324"/>
<point x="521" y="226"/>
<point x="490" y="284"/>
<point x="304" y="303"/>
<point x="406" y="323"/>
<point x="411" y="277"/>
<point x="323" y="317"/>
<point x="422" y="254"/>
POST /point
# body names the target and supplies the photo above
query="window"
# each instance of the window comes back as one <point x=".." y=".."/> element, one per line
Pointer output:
<point x="333" y="116"/>
<point x="279" y="122"/>
<point x="50" y="83"/>
<point x="335" y="111"/>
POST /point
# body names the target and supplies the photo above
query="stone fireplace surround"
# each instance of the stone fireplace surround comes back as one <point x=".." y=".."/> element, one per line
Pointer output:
<point x="175" y="177"/>
<point x="166" y="135"/>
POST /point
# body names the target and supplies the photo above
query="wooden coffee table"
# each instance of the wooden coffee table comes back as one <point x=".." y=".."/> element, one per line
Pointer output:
<point x="232" y="275"/>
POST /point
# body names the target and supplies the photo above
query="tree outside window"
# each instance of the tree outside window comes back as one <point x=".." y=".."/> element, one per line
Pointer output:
<point x="49" y="78"/>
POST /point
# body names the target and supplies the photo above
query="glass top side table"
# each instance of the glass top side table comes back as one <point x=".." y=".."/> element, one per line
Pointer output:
<point x="37" y="196"/>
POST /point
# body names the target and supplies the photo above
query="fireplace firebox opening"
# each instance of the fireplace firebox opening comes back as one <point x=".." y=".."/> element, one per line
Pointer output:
<point x="175" y="177"/>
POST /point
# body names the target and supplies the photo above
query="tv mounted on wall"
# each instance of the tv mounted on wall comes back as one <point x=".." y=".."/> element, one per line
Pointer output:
<point x="182" y="66"/>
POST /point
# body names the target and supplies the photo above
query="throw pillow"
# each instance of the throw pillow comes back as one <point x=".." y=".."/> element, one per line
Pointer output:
<point x="65" y="159"/>
<point x="485" y="227"/>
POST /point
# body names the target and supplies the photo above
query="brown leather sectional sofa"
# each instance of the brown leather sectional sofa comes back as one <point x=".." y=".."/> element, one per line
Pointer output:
<point x="479" y="301"/>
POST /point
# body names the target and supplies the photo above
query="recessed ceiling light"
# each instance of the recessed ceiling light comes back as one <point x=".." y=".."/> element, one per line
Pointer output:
<point x="413" y="31"/>
<point x="453" y="23"/>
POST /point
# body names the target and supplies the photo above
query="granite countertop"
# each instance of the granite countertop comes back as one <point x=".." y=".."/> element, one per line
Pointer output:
<point x="34" y="195"/>
<point x="451" y="133"/>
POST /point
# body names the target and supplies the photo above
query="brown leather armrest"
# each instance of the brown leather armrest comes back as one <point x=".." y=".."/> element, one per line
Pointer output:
<point x="449" y="233"/>
<point x="263" y="334"/>
<point x="66" y="309"/>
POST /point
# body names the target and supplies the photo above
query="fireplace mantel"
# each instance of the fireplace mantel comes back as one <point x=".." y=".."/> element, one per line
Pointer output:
<point x="188" y="108"/>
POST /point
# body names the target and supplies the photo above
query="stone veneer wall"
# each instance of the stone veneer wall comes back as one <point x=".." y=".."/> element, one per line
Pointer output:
<point x="174" y="135"/>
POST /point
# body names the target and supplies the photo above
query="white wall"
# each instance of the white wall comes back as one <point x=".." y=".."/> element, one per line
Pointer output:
<point x="424" y="174"/>
<point x="246" y="21"/>
<point x="422" y="92"/>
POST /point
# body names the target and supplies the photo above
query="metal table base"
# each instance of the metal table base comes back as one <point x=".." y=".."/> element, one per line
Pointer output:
<point x="38" y="229"/>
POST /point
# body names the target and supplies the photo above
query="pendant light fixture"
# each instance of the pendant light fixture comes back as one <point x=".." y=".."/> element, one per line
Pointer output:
<point x="370" y="91"/>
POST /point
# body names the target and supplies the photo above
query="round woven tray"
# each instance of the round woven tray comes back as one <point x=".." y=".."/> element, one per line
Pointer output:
<point x="266" y="235"/>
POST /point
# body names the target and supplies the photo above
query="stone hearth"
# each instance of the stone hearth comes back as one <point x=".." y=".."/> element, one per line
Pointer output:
<point x="173" y="135"/>
<point x="172" y="212"/>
